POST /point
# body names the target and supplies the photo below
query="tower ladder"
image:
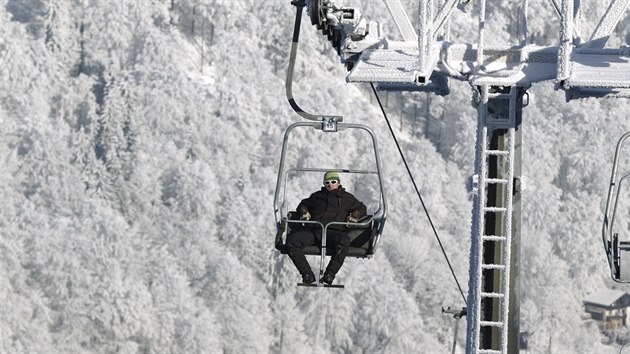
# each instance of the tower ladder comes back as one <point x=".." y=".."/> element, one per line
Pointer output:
<point x="495" y="175"/>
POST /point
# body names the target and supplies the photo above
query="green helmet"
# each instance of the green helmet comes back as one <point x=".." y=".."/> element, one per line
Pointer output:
<point x="330" y="175"/>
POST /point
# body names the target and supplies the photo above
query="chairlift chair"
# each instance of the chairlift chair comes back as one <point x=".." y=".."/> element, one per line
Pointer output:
<point x="364" y="235"/>
<point x="617" y="246"/>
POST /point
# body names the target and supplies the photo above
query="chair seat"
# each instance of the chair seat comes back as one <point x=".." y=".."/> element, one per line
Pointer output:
<point x="359" y="244"/>
<point x="360" y="240"/>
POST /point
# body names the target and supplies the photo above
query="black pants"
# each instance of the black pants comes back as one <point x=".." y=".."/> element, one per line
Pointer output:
<point x="297" y="240"/>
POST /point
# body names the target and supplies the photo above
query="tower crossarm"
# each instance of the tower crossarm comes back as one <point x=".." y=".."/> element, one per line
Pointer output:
<point x="423" y="61"/>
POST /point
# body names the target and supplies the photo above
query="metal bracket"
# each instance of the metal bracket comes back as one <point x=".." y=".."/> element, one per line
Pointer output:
<point x="472" y="184"/>
<point x="457" y="313"/>
<point x="329" y="123"/>
<point x="520" y="183"/>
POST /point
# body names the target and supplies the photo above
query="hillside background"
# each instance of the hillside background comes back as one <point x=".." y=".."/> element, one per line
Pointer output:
<point x="139" y="146"/>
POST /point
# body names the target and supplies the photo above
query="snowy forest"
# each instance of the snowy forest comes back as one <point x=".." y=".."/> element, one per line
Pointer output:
<point x="140" y="147"/>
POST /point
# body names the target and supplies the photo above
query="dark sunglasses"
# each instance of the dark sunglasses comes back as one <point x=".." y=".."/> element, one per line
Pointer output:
<point x="332" y="181"/>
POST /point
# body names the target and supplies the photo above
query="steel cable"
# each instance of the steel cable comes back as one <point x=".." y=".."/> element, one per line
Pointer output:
<point x="402" y="155"/>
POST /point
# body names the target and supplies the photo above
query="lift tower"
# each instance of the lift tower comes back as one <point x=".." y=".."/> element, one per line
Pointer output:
<point x="499" y="76"/>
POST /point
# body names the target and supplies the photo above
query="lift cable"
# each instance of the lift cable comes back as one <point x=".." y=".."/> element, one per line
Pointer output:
<point x="402" y="155"/>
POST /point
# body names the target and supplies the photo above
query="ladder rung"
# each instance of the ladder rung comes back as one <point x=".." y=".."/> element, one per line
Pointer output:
<point x="491" y="323"/>
<point x="496" y="152"/>
<point x="504" y="96"/>
<point x="489" y="351"/>
<point x="496" y="180"/>
<point x="494" y="295"/>
<point x="493" y="266"/>
<point x="493" y="238"/>
<point x="495" y="209"/>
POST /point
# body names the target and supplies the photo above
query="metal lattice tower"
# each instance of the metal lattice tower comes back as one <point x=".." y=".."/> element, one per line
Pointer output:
<point x="500" y="75"/>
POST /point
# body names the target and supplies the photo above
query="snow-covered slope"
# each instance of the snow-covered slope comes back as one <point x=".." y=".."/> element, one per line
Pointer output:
<point x="140" y="144"/>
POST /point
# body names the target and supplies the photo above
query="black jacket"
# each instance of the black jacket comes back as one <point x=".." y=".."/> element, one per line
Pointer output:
<point x="335" y="205"/>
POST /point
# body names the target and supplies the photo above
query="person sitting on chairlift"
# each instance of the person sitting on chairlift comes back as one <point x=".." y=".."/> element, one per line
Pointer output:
<point x="331" y="203"/>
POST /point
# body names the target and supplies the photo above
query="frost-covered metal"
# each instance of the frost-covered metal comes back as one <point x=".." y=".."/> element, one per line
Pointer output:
<point x="406" y="29"/>
<point x="607" y="23"/>
<point x="491" y="247"/>
<point x="427" y="61"/>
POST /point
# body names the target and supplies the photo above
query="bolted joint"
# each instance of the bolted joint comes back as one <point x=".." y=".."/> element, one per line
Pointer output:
<point x="472" y="184"/>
